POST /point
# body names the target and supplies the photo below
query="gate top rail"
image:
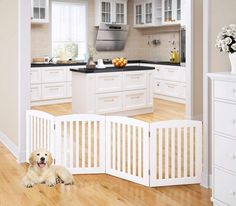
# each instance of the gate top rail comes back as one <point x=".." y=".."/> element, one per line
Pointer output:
<point x="176" y="123"/>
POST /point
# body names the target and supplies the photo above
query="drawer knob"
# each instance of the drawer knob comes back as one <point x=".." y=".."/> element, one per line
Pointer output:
<point x="232" y="193"/>
<point x="233" y="156"/>
<point x="234" y="121"/>
<point x="158" y="70"/>
<point x="234" y="91"/>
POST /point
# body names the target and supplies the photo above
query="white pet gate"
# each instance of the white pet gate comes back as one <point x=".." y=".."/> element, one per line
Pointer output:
<point x="152" y="154"/>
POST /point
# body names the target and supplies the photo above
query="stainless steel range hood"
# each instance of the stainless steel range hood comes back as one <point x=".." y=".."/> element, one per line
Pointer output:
<point x="111" y="37"/>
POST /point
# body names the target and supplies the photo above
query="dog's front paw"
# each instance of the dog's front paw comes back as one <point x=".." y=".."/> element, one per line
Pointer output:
<point x="28" y="184"/>
<point x="51" y="183"/>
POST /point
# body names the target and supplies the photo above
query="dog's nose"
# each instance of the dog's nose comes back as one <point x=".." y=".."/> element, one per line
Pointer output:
<point x="42" y="159"/>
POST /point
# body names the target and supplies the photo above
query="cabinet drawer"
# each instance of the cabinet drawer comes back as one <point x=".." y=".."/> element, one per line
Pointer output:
<point x="225" y="187"/>
<point x="135" y="99"/>
<point x="35" y="75"/>
<point x="135" y="80"/>
<point x="177" y="74"/>
<point x="54" y="91"/>
<point x="69" y="89"/>
<point x="225" y="118"/>
<point x="109" y="82"/>
<point x="50" y="75"/>
<point x="170" y="89"/>
<point x="35" y="92"/>
<point x="107" y="103"/>
<point x="225" y="90"/>
<point x="69" y="75"/>
<point x="225" y="153"/>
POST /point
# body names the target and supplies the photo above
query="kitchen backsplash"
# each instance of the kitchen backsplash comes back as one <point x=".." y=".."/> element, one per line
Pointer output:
<point x="138" y="45"/>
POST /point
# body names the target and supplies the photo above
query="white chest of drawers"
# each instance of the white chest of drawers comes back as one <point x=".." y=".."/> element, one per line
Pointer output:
<point x="223" y="139"/>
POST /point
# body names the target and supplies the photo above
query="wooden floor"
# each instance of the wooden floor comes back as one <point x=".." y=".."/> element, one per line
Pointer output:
<point x="163" y="110"/>
<point x="96" y="190"/>
<point x="91" y="190"/>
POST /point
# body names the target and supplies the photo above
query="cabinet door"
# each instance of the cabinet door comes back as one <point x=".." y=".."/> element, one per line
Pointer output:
<point x="148" y="12"/>
<point x="138" y="13"/>
<point x="120" y="12"/>
<point x="106" y="11"/>
<point x="39" y="11"/>
<point x="167" y="11"/>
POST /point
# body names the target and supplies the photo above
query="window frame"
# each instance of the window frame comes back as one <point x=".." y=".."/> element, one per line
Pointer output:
<point x="71" y="2"/>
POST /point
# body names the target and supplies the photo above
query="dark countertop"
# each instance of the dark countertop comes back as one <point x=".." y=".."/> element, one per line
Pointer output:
<point x="113" y="69"/>
<point x="108" y="62"/>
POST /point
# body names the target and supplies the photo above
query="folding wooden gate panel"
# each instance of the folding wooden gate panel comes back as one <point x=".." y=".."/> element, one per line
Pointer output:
<point x="120" y="146"/>
<point x="39" y="131"/>
<point x="175" y="152"/>
<point x="80" y="143"/>
<point x="127" y="149"/>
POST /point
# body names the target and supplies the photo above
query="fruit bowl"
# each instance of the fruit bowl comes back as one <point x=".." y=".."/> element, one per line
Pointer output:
<point x="119" y="62"/>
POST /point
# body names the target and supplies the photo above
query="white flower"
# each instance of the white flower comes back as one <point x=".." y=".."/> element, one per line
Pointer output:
<point x="225" y="48"/>
<point x="233" y="46"/>
<point x="228" y="40"/>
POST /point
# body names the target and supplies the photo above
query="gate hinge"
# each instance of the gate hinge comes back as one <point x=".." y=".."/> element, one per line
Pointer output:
<point x="54" y="161"/>
<point x="54" y="126"/>
<point x="149" y="172"/>
<point x="149" y="134"/>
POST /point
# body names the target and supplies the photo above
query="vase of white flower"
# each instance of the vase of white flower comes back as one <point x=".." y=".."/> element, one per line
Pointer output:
<point x="232" y="57"/>
<point x="226" y="42"/>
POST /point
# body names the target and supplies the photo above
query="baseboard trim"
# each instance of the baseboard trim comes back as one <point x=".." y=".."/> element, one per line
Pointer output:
<point x="9" y="144"/>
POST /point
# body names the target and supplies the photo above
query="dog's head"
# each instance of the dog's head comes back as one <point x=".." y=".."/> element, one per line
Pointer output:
<point x="40" y="158"/>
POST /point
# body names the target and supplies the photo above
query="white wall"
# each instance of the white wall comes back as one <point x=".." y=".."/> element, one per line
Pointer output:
<point x="9" y="70"/>
<point x="13" y="65"/>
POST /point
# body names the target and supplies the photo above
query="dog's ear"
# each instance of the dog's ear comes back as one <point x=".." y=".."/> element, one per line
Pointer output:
<point x="32" y="158"/>
<point x="50" y="159"/>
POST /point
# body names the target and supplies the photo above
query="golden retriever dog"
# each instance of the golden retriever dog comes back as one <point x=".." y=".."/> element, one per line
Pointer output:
<point x="41" y="170"/>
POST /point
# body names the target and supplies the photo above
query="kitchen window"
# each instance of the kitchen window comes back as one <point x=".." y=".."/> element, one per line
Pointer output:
<point x="69" y="30"/>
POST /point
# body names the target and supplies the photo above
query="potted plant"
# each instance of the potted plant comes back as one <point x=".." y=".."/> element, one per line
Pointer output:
<point x="226" y="42"/>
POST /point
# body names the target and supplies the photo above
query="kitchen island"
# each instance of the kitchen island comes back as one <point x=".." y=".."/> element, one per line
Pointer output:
<point x="127" y="91"/>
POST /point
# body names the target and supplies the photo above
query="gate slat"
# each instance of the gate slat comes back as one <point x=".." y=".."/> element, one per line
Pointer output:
<point x="179" y="152"/>
<point x="95" y="144"/>
<point x="113" y="145"/>
<point x="83" y="144"/>
<point x="185" y="152"/>
<point x="89" y="144"/>
<point x="65" y="144"/>
<point x="173" y="152"/>
<point x="166" y="153"/>
<point x="118" y="147"/>
<point x="129" y="150"/>
<point x="71" y="152"/>
<point x="160" y="154"/>
<point x="134" y="150"/>
<point x="123" y="148"/>
<point x="191" y="152"/>
<point x="77" y="143"/>
<point x="139" y="152"/>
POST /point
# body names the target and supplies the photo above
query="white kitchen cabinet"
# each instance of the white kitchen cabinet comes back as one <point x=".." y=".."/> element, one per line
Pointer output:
<point x="35" y="74"/>
<point x="50" y="85"/>
<point x="135" y="80"/>
<point x="223" y="139"/>
<point x="170" y="83"/>
<point x="171" y="12"/>
<point x="110" y="12"/>
<point x="40" y="11"/>
<point x="54" y="91"/>
<point x="135" y="99"/>
<point x="118" y="93"/>
<point x="54" y="74"/>
<point x="108" y="103"/>
<point x="35" y="92"/>
<point x="147" y="13"/>
<point x="109" y="82"/>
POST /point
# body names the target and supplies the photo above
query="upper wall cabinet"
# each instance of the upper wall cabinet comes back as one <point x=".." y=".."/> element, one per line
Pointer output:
<point x="171" y="11"/>
<point x="149" y="13"/>
<point x="110" y="12"/>
<point x="40" y="10"/>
